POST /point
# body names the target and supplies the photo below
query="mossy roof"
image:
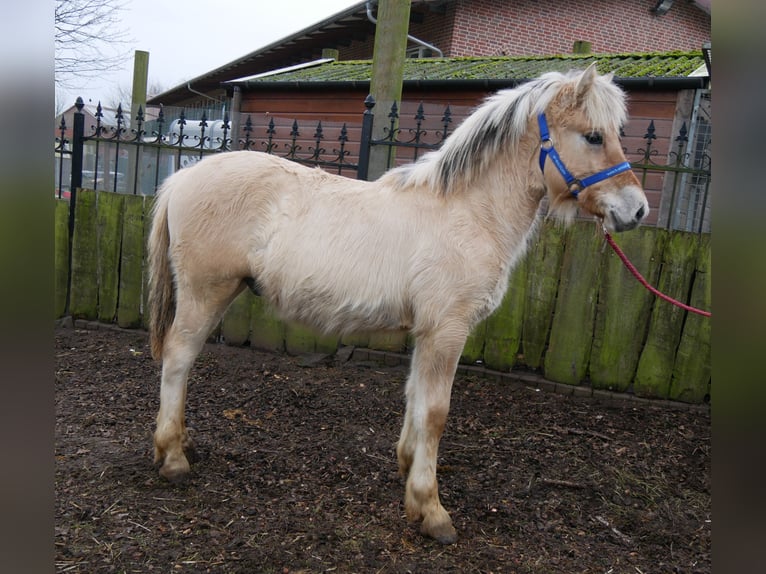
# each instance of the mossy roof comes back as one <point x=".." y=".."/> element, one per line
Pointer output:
<point x="643" y="65"/>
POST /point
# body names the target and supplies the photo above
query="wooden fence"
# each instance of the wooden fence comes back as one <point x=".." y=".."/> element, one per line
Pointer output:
<point x="572" y="312"/>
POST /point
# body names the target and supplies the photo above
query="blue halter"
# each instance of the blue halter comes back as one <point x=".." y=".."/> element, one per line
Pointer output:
<point x="575" y="185"/>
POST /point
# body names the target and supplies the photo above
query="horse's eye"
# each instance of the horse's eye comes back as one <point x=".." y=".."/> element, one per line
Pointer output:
<point x="594" y="138"/>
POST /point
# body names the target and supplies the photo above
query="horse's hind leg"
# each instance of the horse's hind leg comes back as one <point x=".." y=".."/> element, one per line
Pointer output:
<point x="428" y="397"/>
<point x="197" y="313"/>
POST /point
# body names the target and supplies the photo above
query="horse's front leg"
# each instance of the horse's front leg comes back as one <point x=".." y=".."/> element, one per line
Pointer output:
<point x="429" y="385"/>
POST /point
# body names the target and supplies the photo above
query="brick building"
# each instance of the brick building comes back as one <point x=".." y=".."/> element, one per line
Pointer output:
<point x="466" y="28"/>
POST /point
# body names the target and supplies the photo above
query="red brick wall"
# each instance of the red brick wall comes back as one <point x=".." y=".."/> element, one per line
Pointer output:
<point x="527" y="27"/>
<point x="523" y="27"/>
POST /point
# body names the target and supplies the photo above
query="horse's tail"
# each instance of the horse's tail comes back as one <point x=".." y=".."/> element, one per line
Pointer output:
<point x="162" y="299"/>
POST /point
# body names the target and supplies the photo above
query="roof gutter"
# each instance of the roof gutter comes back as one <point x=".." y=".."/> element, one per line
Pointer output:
<point x="193" y="91"/>
<point x="648" y="83"/>
<point x="677" y="83"/>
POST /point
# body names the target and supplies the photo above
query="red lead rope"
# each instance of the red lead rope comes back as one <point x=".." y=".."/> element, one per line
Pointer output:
<point x="645" y="283"/>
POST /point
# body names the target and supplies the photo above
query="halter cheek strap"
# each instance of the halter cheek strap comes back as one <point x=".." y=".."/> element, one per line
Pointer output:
<point x="575" y="185"/>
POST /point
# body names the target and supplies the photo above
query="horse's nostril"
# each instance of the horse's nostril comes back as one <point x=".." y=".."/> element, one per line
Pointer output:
<point x="640" y="213"/>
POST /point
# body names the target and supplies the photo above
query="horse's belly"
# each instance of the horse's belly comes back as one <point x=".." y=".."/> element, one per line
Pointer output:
<point x="336" y="298"/>
<point x="330" y="313"/>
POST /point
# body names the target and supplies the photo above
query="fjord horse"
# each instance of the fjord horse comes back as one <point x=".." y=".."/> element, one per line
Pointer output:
<point x="427" y="247"/>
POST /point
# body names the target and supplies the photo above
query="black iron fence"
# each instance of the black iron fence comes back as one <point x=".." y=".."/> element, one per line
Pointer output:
<point x="123" y="156"/>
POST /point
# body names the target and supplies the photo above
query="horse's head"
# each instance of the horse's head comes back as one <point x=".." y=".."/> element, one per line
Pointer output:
<point x="581" y="155"/>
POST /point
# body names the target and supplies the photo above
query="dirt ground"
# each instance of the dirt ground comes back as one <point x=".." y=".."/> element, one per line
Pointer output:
<point x="298" y="473"/>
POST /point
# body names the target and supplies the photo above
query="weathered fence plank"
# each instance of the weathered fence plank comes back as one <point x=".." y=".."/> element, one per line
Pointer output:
<point x="503" y="337"/>
<point x="658" y="355"/>
<point x="392" y="341"/>
<point x="690" y="379"/>
<point x="60" y="256"/>
<point x="109" y="207"/>
<point x="624" y="307"/>
<point x="473" y="349"/>
<point x="235" y="326"/>
<point x="544" y="265"/>
<point x="566" y="360"/>
<point x="300" y="339"/>
<point x="266" y="330"/>
<point x="356" y="340"/>
<point x="131" y="263"/>
<point x="147" y="222"/>
<point x="326" y="343"/>
<point x="83" y="300"/>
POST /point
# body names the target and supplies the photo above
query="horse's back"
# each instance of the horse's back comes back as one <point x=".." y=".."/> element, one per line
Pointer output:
<point x="232" y="173"/>
<point x="221" y="207"/>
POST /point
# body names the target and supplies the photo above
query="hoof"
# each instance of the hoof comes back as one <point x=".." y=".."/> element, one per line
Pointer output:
<point x="174" y="474"/>
<point x="172" y="468"/>
<point x="443" y="533"/>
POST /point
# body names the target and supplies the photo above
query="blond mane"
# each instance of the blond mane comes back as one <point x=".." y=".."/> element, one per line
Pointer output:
<point x="498" y="125"/>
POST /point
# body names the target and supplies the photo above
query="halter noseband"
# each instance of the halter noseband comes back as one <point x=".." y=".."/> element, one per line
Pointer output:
<point x="575" y="185"/>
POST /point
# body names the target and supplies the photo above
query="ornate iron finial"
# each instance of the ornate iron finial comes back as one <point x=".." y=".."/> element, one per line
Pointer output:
<point x="318" y="134"/>
<point x="394" y="114"/>
<point x="649" y="135"/>
<point x="420" y="114"/>
<point x="79" y="104"/>
<point x="447" y="117"/>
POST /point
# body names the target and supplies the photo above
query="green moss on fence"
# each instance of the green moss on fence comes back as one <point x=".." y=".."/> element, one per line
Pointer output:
<point x="566" y="360"/>
<point x="60" y="256"/>
<point x="109" y="218"/>
<point x="473" y="350"/>
<point x="147" y="224"/>
<point x="544" y="264"/>
<point x="624" y="307"/>
<point x="131" y="263"/>
<point x="235" y="327"/>
<point x="300" y="339"/>
<point x="690" y="380"/>
<point x="83" y="301"/>
<point x="503" y="335"/>
<point x="655" y="366"/>
<point x="267" y="332"/>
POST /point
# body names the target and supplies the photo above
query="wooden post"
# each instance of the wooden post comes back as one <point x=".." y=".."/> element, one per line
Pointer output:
<point x="387" y="73"/>
<point x="581" y="47"/>
<point x="140" y="80"/>
<point x="386" y="88"/>
<point x="137" y="100"/>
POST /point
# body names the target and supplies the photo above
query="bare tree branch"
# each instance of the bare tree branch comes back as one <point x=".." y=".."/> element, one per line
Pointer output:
<point x="89" y="40"/>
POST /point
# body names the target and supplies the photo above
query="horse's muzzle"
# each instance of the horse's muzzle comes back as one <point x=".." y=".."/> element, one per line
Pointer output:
<point x="619" y="224"/>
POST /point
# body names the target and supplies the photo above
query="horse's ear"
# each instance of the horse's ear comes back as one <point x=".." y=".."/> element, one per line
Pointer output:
<point x="586" y="80"/>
